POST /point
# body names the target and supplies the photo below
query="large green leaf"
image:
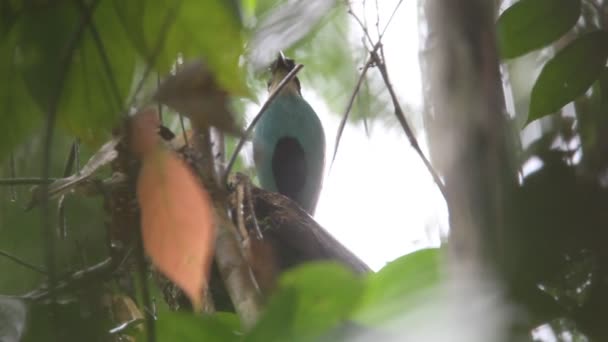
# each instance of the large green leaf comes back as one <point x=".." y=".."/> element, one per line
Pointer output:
<point x="398" y="285"/>
<point x="569" y="74"/>
<point x="91" y="72"/>
<point x="19" y="116"/>
<point x="163" y="30"/>
<point x="313" y="299"/>
<point x="175" y="326"/>
<point x="531" y="24"/>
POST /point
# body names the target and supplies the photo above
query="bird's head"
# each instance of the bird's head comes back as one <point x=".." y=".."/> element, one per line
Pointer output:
<point x="279" y="69"/>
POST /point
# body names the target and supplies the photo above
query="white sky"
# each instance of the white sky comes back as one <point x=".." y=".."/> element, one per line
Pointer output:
<point x="378" y="199"/>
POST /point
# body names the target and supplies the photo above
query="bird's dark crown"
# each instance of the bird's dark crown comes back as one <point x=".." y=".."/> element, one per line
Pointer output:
<point x="281" y="67"/>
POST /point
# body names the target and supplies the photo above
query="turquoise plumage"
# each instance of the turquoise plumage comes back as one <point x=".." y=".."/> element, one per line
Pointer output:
<point x="289" y="143"/>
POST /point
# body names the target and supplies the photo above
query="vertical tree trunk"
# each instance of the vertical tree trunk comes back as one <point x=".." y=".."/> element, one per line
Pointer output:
<point x="467" y="125"/>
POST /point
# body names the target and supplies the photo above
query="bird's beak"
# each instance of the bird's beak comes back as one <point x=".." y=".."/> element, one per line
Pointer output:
<point x="281" y="60"/>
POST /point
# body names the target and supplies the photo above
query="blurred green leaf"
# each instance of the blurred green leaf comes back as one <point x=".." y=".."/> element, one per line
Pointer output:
<point x="177" y="326"/>
<point x="98" y="67"/>
<point x="531" y="24"/>
<point x="191" y="29"/>
<point x="79" y="319"/>
<point x="313" y="298"/>
<point x="569" y="74"/>
<point x="283" y="26"/>
<point x="21" y="233"/>
<point x="398" y="285"/>
<point x="276" y="324"/>
<point x="19" y="116"/>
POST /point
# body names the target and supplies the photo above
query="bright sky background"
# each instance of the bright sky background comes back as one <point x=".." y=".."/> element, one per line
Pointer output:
<point x="378" y="199"/>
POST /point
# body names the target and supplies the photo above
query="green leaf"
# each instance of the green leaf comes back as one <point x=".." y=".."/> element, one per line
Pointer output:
<point x="91" y="73"/>
<point x="191" y="29"/>
<point x="18" y="114"/>
<point x="398" y="285"/>
<point x="276" y="324"/>
<point x="569" y="74"/>
<point x="312" y="299"/>
<point x="70" y="320"/>
<point x="283" y="26"/>
<point x="531" y="24"/>
<point x="177" y="326"/>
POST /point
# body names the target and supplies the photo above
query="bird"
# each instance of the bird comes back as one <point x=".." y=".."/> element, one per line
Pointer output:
<point x="289" y="142"/>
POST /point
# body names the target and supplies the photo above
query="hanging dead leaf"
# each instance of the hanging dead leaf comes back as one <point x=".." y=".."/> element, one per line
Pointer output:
<point x="193" y="91"/>
<point x="176" y="211"/>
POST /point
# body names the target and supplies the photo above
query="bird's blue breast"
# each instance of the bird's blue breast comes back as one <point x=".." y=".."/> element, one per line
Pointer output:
<point x="291" y="116"/>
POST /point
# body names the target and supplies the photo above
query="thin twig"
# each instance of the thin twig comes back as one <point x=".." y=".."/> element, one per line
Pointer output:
<point x="142" y="271"/>
<point x="377" y="18"/>
<point x="240" y="218"/>
<point x="169" y="20"/>
<point x="398" y="111"/>
<point x="105" y="61"/>
<point x="349" y="107"/>
<point x="406" y="127"/>
<point x="75" y="280"/>
<point x="268" y="102"/>
<point x="181" y="116"/>
<point x="26" y="181"/>
<point x="13" y="173"/>
<point x="389" y="20"/>
<point x="67" y="171"/>
<point x="51" y="115"/>
<point x="363" y="26"/>
<point x="249" y="199"/>
<point x="22" y="262"/>
<point x="159" y="105"/>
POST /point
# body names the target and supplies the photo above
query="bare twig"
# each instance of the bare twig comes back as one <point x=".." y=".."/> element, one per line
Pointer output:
<point x="151" y="60"/>
<point x="249" y="199"/>
<point x="76" y="280"/>
<point x="349" y="107"/>
<point x="22" y="262"/>
<point x="142" y="271"/>
<point x="361" y="24"/>
<point x="181" y="116"/>
<point x="159" y="105"/>
<point x="381" y="34"/>
<point x="268" y="102"/>
<point x="51" y="115"/>
<point x="26" y="181"/>
<point x="102" y="53"/>
<point x="380" y="63"/>
<point x="184" y="132"/>
<point x="406" y="127"/>
<point x="240" y="216"/>
<point x="67" y="171"/>
<point x="13" y="173"/>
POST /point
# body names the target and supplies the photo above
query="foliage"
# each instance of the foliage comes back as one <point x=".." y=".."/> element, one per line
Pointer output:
<point x="316" y="299"/>
<point x="88" y="61"/>
<point x="557" y="210"/>
<point x="524" y="27"/>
